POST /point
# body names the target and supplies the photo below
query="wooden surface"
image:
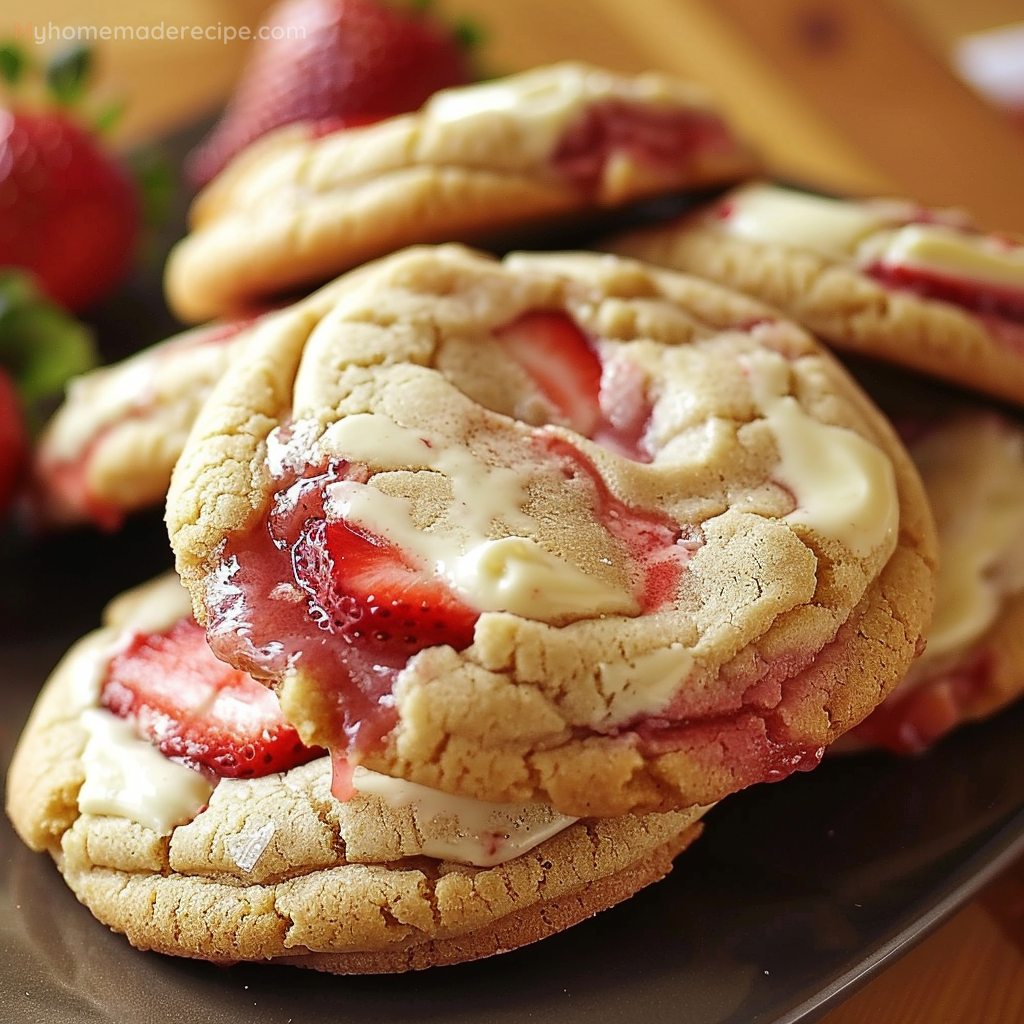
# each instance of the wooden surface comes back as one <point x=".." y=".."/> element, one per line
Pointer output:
<point x="847" y="95"/>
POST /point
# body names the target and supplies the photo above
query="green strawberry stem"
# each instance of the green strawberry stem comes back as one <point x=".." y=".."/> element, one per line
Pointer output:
<point x="67" y="75"/>
<point x="41" y="346"/>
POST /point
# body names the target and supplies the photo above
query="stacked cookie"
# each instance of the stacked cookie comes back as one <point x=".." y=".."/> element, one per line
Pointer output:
<point x="533" y="559"/>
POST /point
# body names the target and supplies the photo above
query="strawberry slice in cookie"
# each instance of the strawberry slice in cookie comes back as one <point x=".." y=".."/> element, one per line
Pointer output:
<point x="481" y="162"/>
<point x="922" y="288"/>
<point x="562" y="528"/>
<point x="605" y="401"/>
<point x="198" y="710"/>
<point x="972" y="464"/>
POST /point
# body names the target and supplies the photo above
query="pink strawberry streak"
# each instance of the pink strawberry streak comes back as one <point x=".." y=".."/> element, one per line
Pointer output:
<point x="909" y="723"/>
<point x="654" y="540"/>
<point x="625" y="411"/>
<point x="666" y="140"/>
<point x="986" y="300"/>
<point x="744" y="727"/>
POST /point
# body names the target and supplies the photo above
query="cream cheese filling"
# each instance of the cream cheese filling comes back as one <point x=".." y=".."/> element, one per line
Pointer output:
<point x="844" y="486"/>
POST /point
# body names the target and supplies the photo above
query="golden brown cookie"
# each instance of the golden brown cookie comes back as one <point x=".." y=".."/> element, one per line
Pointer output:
<point x="273" y="866"/>
<point x="110" y="447"/>
<point x="562" y="528"/>
<point x="921" y="288"/>
<point x="972" y="465"/>
<point x="480" y="161"/>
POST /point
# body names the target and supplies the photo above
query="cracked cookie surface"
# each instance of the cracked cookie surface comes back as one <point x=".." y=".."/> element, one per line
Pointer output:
<point x="477" y="162"/>
<point x="276" y="868"/>
<point x="692" y="582"/>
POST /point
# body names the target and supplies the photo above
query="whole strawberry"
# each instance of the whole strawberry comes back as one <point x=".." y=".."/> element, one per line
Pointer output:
<point x="347" y="61"/>
<point x="69" y="213"/>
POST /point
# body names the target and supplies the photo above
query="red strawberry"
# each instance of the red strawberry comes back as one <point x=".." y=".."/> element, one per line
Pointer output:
<point x="565" y="367"/>
<point x="375" y="597"/>
<point x="199" y="710"/>
<point x="357" y="60"/>
<point x="14" y="441"/>
<point x="68" y="211"/>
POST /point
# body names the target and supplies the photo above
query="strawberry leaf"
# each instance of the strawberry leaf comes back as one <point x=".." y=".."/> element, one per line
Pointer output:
<point x="104" y="121"/>
<point x="13" y="64"/>
<point x="41" y="346"/>
<point x="67" y="74"/>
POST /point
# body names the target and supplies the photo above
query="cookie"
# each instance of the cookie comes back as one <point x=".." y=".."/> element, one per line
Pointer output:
<point x="272" y="866"/>
<point x="563" y="528"/>
<point x="110" y="447"/>
<point x="477" y="162"/>
<point x="972" y="465"/>
<point x="920" y="288"/>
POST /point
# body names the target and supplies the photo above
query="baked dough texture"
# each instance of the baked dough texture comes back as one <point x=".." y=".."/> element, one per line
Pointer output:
<point x="328" y="885"/>
<point x="828" y="292"/>
<point x="478" y="162"/>
<point x="788" y="624"/>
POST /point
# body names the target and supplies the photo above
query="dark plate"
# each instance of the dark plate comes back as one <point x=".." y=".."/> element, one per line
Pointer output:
<point x="796" y="893"/>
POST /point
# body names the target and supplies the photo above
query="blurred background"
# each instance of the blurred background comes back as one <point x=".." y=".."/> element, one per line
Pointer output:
<point x="851" y="96"/>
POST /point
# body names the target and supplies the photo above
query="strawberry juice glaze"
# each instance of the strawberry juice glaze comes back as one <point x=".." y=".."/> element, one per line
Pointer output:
<point x="266" y="615"/>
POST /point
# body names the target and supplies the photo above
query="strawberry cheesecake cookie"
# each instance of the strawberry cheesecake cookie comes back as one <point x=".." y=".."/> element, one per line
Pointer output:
<point x="972" y="465"/>
<point x="110" y="447"/>
<point x="922" y="288"/>
<point x="185" y="812"/>
<point x="476" y="162"/>
<point x="562" y="528"/>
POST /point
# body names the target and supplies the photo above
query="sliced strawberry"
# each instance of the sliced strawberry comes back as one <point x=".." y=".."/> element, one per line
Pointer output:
<point x="372" y="594"/>
<point x="562" y="362"/>
<point x="605" y="402"/>
<point x="198" y="710"/>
